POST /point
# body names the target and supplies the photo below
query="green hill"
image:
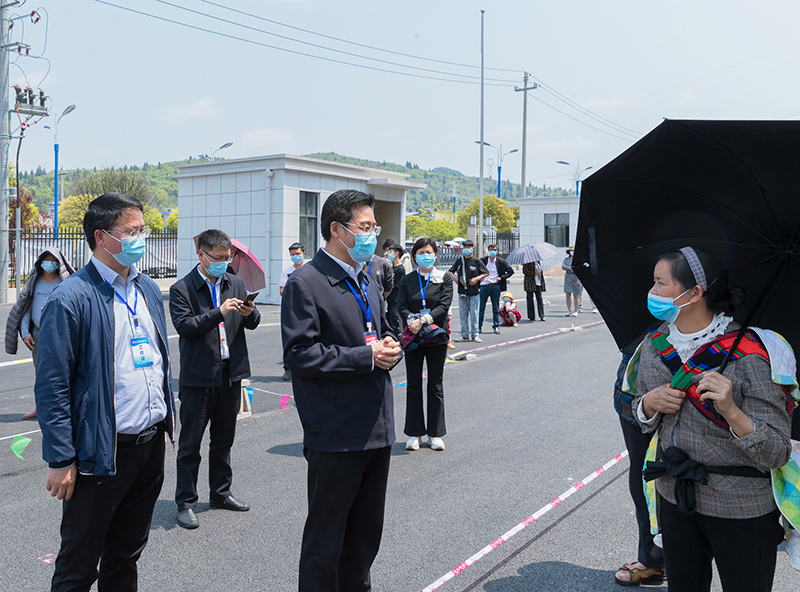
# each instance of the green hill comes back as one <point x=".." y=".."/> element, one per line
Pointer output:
<point x="438" y="195"/>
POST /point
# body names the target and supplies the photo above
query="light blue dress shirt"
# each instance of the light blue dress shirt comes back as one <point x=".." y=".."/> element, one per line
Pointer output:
<point x="139" y="392"/>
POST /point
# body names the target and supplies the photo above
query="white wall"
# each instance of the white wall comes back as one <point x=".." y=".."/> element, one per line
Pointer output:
<point x="531" y="221"/>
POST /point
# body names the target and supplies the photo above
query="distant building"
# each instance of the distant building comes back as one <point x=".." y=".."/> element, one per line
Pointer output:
<point x="549" y="219"/>
<point x="269" y="202"/>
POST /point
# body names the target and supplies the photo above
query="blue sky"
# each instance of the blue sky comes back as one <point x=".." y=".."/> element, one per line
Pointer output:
<point x="150" y="90"/>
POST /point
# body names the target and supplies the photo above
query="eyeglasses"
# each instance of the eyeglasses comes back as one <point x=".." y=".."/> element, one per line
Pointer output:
<point x="215" y="259"/>
<point x="366" y="228"/>
<point x="145" y="232"/>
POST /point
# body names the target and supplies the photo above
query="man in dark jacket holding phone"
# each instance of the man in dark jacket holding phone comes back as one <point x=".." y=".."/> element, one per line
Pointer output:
<point x="210" y="311"/>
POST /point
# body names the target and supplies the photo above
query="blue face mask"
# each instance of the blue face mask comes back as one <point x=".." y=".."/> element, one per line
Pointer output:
<point x="506" y="299"/>
<point x="492" y="253"/>
<point x="364" y="249"/>
<point x="664" y="308"/>
<point x="468" y="251"/>
<point x="297" y="259"/>
<point x="132" y="249"/>
<point x="49" y="266"/>
<point x="425" y="260"/>
<point x="390" y="256"/>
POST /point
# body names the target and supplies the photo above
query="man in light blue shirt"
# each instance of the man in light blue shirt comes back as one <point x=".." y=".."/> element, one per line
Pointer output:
<point x="104" y="402"/>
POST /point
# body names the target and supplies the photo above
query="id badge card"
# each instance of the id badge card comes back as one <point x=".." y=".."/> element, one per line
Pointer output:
<point x="370" y="337"/>
<point x="142" y="354"/>
<point x="223" y="340"/>
<point x="424" y="311"/>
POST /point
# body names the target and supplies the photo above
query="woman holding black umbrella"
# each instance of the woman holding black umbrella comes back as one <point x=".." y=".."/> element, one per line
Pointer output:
<point x="719" y="433"/>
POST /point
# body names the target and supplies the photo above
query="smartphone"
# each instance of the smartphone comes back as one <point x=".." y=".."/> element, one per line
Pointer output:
<point x="251" y="297"/>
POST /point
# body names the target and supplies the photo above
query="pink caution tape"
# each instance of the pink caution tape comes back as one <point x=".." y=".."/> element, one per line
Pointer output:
<point x="557" y="332"/>
<point x="527" y="522"/>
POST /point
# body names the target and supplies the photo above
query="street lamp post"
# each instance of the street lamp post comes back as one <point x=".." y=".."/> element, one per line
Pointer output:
<point x="69" y="109"/>
<point x="214" y="152"/>
<point x="577" y="176"/>
<point x="500" y="157"/>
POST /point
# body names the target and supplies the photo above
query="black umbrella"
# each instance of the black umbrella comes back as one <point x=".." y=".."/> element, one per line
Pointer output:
<point x="728" y="187"/>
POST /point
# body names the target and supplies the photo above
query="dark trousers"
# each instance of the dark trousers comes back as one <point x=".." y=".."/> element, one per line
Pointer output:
<point x="415" y="419"/>
<point x="394" y="319"/>
<point x="346" y="499"/>
<point x="491" y="291"/>
<point x="650" y="555"/>
<point x="744" y="550"/>
<point x="220" y="406"/>
<point x="107" y="519"/>
<point x="539" y="304"/>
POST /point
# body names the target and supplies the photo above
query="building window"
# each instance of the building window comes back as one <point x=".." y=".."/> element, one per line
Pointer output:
<point x="556" y="229"/>
<point x="308" y="221"/>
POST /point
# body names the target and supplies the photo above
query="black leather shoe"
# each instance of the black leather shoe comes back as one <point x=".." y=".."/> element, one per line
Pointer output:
<point x="230" y="503"/>
<point x="188" y="519"/>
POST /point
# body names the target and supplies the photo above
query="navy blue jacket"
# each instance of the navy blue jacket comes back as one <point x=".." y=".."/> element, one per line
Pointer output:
<point x="75" y="377"/>
<point x="344" y="404"/>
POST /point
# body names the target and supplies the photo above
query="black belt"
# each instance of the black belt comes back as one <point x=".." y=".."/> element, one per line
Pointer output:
<point x="138" y="439"/>
<point x="686" y="471"/>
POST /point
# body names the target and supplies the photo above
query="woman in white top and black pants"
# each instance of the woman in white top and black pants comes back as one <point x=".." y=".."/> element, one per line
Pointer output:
<point x="429" y="292"/>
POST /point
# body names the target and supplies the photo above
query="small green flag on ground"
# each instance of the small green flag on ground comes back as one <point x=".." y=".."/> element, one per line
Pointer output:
<point x="19" y="444"/>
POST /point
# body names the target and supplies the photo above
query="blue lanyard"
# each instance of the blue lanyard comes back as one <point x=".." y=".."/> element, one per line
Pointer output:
<point x="125" y="302"/>
<point x="365" y="309"/>
<point x="371" y="261"/>
<point x="422" y="290"/>
<point x="213" y="293"/>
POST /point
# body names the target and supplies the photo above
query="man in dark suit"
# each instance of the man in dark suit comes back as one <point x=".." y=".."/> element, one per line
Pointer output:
<point x="492" y="285"/>
<point x="210" y="312"/>
<point x="339" y="348"/>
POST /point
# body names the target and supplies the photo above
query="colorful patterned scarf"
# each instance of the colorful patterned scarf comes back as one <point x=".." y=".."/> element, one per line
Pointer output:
<point x="706" y="358"/>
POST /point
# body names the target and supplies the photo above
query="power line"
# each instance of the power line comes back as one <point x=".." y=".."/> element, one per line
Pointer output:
<point x="365" y="46"/>
<point x="579" y="121"/>
<point x="584" y="110"/>
<point x="292" y="51"/>
<point x="323" y="47"/>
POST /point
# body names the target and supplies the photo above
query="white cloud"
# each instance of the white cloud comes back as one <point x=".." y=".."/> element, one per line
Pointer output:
<point x="267" y="141"/>
<point x="202" y="109"/>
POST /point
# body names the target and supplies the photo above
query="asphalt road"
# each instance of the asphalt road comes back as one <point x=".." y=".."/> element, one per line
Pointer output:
<point x="525" y="422"/>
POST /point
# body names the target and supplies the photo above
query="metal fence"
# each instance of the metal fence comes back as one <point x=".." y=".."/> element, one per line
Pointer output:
<point x="160" y="259"/>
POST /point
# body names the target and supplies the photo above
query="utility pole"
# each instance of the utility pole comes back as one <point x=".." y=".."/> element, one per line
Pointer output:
<point x="4" y="142"/>
<point x="480" y="188"/>
<point x="525" y="88"/>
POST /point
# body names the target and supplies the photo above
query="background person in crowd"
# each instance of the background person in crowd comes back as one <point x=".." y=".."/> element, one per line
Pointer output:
<point x="572" y="285"/>
<point x="534" y="285"/>
<point x="492" y="285"/>
<point x="210" y="312"/>
<point x="380" y="270"/>
<point x="394" y="254"/>
<point x="734" y="426"/>
<point x="468" y="271"/>
<point x="25" y="317"/>
<point x="104" y="401"/>
<point x="508" y="310"/>
<point x="649" y="564"/>
<point x="405" y="258"/>
<point x="427" y="292"/>
<point x="339" y="346"/>
<point x="297" y="254"/>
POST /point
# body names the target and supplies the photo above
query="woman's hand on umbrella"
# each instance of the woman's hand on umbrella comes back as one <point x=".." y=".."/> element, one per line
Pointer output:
<point x="662" y="399"/>
<point x="414" y="326"/>
<point x="718" y="389"/>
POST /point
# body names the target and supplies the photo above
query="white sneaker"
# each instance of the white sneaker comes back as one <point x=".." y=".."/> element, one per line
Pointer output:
<point x="477" y="339"/>
<point x="574" y="314"/>
<point x="437" y="444"/>
<point x="412" y="443"/>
